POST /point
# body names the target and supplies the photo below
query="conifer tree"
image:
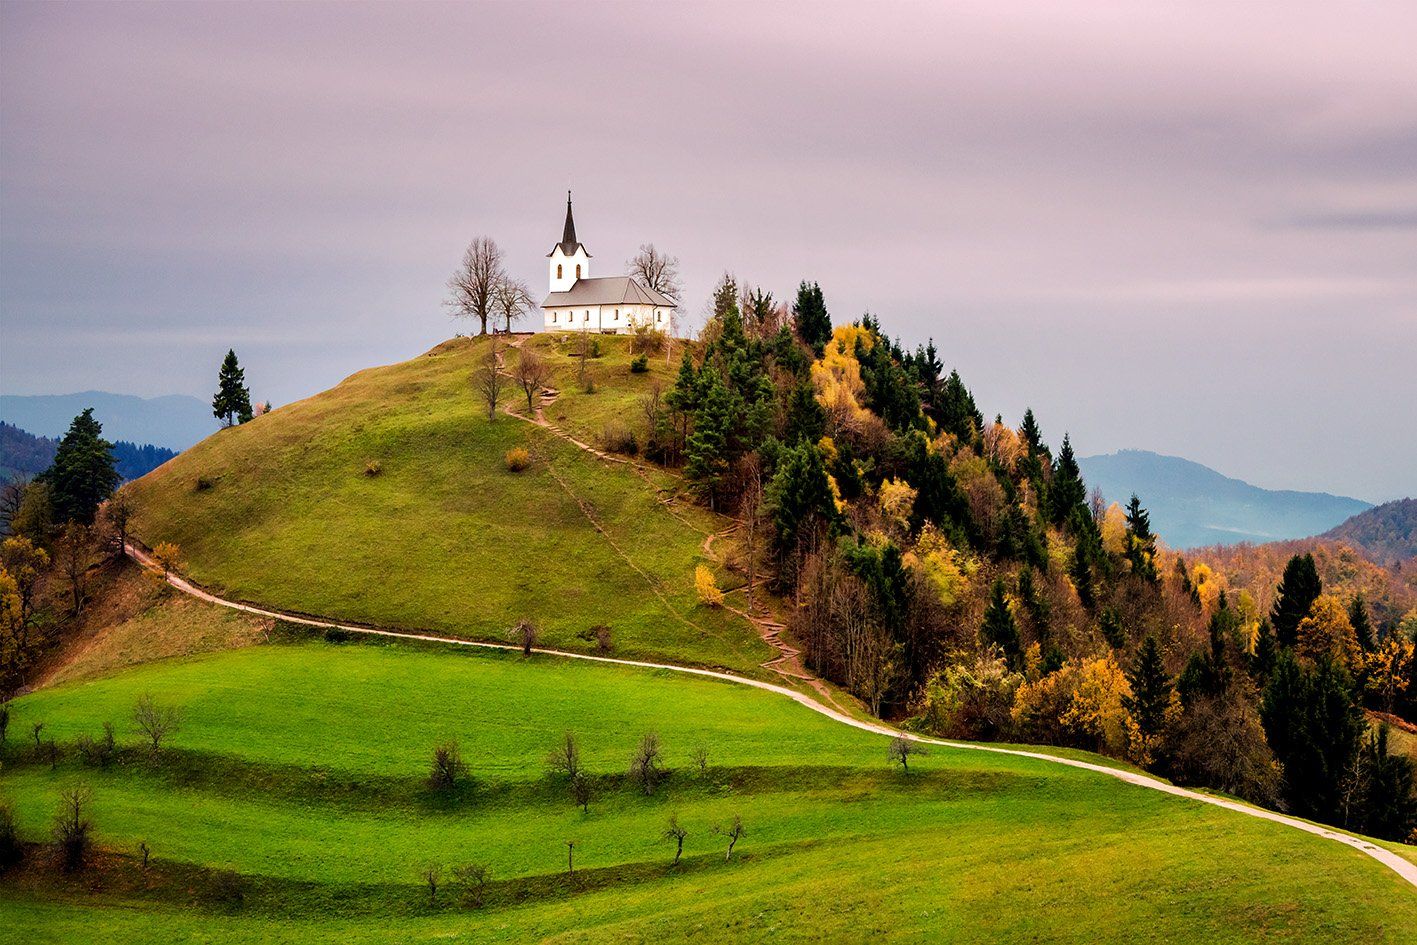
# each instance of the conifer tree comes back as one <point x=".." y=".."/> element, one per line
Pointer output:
<point x="1068" y="492"/>
<point x="1362" y="624"/>
<point x="1141" y="543"/>
<point x="1151" y="688"/>
<point x="799" y="495"/>
<point x="1262" y="662"/>
<point x="1032" y="435"/>
<point x="958" y="412"/>
<point x="1000" y="627"/>
<point x="1313" y="724"/>
<point x="83" y="473"/>
<point x="809" y="314"/>
<point x="232" y="403"/>
<point x="1298" y="589"/>
<point x="707" y="449"/>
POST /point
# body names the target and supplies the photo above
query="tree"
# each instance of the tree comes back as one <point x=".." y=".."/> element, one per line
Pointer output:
<point x="119" y="512"/>
<point x="531" y="375"/>
<point x="1362" y="624"/>
<point x="1141" y="543"/>
<point x="647" y="763"/>
<point x="701" y="760"/>
<point x="565" y="759"/>
<point x="1151" y="689"/>
<point x="714" y="421"/>
<point x="511" y="300"/>
<point x="1313" y="725"/>
<point x="73" y="830"/>
<point x="526" y="635"/>
<point x="580" y="792"/>
<point x="431" y="874"/>
<point x="448" y="768"/>
<point x="750" y="510"/>
<point x="677" y="834"/>
<point x="1000" y="627"/>
<point x="707" y="587"/>
<point x="1388" y="797"/>
<point x="799" y="495"/>
<point x="11" y="849"/>
<point x="83" y="473"/>
<point x="473" y="877"/>
<point x="232" y="403"/>
<point x="155" y="721"/>
<point x="1298" y="588"/>
<point x="1068" y="492"/>
<point x="901" y="749"/>
<point x="656" y="270"/>
<point x="488" y="379"/>
<point x="168" y="555"/>
<point x="809" y="316"/>
<point x="734" y="832"/>
<point x="571" y="858"/>
<point x="472" y="288"/>
<point x="1326" y="634"/>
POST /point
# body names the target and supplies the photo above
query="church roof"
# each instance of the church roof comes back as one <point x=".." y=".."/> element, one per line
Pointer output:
<point x="568" y="242"/>
<point x="608" y="290"/>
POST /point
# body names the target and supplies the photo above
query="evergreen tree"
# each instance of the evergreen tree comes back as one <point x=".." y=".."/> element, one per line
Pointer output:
<point x="1032" y="434"/>
<point x="1112" y="630"/>
<point x="958" y="413"/>
<point x="1388" y="800"/>
<point x="1089" y="558"/>
<point x="83" y="474"/>
<point x="1141" y="543"/>
<point x="1298" y="589"/>
<point x="1313" y="724"/>
<point x="1000" y="627"/>
<point x="1262" y="662"/>
<point x="1151" y="689"/>
<point x="809" y="314"/>
<point x="805" y="418"/>
<point x="1362" y="624"/>
<point x="232" y="403"/>
<point x="799" y="495"/>
<point x="707" y="449"/>
<point x="1067" y="492"/>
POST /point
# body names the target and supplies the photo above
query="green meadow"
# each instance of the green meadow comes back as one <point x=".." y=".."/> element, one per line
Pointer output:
<point x="300" y="767"/>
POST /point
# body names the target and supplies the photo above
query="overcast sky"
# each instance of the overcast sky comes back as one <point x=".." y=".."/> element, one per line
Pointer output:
<point x="1191" y="229"/>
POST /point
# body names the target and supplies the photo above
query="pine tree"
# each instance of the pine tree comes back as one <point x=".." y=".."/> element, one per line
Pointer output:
<point x="1141" y="543"/>
<point x="1068" y="492"/>
<point x="958" y="412"/>
<point x="1362" y="624"/>
<point x="1151" y="689"/>
<point x="1313" y="724"/>
<point x="1298" y="589"/>
<point x="232" y="403"/>
<point x="83" y="474"/>
<point x="1000" y="627"/>
<point x="707" y="449"/>
<point x="809" y="313"/>
<point x="799" y="495"/>
<point x="1112" y="630"/>
<point x="1262" y="662"/>
<point x="1388" y="801"/>
<point x="1032" y="435"/>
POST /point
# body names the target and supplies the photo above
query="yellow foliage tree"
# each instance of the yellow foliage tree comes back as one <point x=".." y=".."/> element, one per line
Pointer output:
<point x="1386" y="670"/>
<point x="897" y="499"/>
<point x="1327" y="633"/>
<point x="944" y="568"/>
<point x="1003" y="445"/>
<point x="168" y="556"/>
<point x="1114" y="529"/>
<point x="1082" y="704"/>
<point x="707" y="586"/>
<point x="836" y="376"/>
<point x="1208" y="583"/>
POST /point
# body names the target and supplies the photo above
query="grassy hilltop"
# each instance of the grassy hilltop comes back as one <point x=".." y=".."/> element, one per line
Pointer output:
<point x="287" y="511"/>
<point x="327" y="822"/>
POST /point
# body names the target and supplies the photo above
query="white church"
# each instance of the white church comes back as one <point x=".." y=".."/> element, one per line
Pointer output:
<point x="612" y="305"/>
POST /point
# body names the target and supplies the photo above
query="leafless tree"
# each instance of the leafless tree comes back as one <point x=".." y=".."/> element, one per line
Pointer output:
<point x="647" y="763"/>
<point x="489" y="379"/>
<point x="526" y="634"/>
<point x="472" y="289"/>
<point x="734" y="832"/>
<point x="571" y="858"/>
<point x="146" y="852"/>
<point x="701" y="760"/>
<point x="655" y="270"/>
<point x="12" y="494"/>
<point x="74" y="551"/>
<point x="565" y="760"/>
<point x="901" y="749"/>
<point x="677" y="834"/>
<point x="118" y="510"/>
<point x="580" y="791"/>
<point x="531" y="374"/>
<point x="447" y="768"/>
<point x="512" y="299"/>
<point x="472" y="877"/>
<point x="431" y="874"/>
<point x="73" y="829"/>
<point x="155" y="721"/>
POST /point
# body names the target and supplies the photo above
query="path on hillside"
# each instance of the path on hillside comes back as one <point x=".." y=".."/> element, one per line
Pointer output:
<point x="1403" y="868"/>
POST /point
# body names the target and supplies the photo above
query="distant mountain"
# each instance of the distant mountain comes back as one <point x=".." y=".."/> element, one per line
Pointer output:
<point x="174" y="421"/>
<point x="1193" y="505"/>
<point x="24" y="455"/>
<point x="1387" y="532"/>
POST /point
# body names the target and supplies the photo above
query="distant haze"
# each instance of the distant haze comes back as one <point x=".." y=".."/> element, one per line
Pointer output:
<point x="1183" y="227"/>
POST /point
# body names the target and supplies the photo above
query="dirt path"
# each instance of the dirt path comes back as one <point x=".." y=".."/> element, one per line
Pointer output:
<point x="1400" y="866"/>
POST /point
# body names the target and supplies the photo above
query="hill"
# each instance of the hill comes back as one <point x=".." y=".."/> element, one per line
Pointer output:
<point x="1193" y="505"/>
<point x="174" y="422"/>
<point x="387" y="500"/>
<point x="1388" y="532"/>
<point x="24" y="455"/>
<point x="272" y="818"/>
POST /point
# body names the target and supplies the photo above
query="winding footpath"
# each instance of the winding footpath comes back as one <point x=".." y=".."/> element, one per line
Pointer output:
<point x="1403" y="868"/>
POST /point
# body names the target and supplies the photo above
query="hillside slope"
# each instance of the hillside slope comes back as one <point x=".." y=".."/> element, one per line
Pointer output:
<point x="387" y="500"/>
<point x="1193" y="505"/>
<point x="1387" y="532"/>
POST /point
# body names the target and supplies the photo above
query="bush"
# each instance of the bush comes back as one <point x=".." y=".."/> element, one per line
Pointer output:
<point x="336" y="635"/>
<point x="226" y="888"/>
<point x="617" y="438"/>
<point x="639" y="364"/>
<point x="73" y="829"/>
<point x="10" y="850"/>
<point x="707" y="586"/>
<point x="971" y="701"/>
<point x="517" y="459"/>
<point x="447" y="769"/>
<point x="98" y="752"/>
<point x="203" y="484"/>
<point x="595" y="351"/>
<point x="373" y="468"/>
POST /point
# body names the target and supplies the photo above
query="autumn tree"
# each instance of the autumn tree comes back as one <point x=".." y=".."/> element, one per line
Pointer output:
<point x="656" y="270"/>
<point x="473" y="878"/>
<point x="473" y="286"/>
<point x="168" y="556"/>
<point x="511" y="300"/>
<point x="73" y="553"/>
<point x="647" y="763"/>
<point x="1326" y="634"/>
<point x="155" y="721"/>
<point x="488" y="379"/>
<point x="565" y="759"/>
<point x="1298" y="589"/>
<point x="733" y="832"/>
<point x="73" y="830"/>
<point x="118" y="510"/>
<point x="902" y="749"/>
<point x="447" y="769"/>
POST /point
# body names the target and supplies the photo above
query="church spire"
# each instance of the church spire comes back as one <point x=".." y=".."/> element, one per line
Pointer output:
<point x="568" y="235"/>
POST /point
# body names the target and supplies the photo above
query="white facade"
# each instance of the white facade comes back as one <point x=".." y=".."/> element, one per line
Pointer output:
<point x="609" y="319"/>
<point x="563" y="270"/>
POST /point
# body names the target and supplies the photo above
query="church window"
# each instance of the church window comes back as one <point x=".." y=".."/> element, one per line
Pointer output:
<point x="558" y="270"/>
<point x="578" y="270"/>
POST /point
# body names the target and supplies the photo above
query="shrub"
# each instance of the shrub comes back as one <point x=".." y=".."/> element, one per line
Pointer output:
<point x="616" y="437"/>
<point x="517" y="459"/>
<point x="155" y="721"/>
<point x="447" y="768"/>
<point x="639" y="364"/>
<point x="168" y="556"/>
<point x="595" y="351"/>
<point x="971" y="701"/>
<point x="707" y="586"/>
<point x="98" y="752"/>
<point x="203" y="484"/>
<point x="336" y="635"/>
<point x="373" y="468"/>
<point x="73" y="829"/>
<point x="472" y="877"/>
<point x="227" y="888"/>
<point x="10" y="850"/>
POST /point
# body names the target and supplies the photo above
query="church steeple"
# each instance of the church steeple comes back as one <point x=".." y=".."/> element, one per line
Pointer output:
<point x="568" y="235"/>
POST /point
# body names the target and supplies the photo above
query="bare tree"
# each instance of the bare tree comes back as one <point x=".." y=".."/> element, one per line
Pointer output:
<point x="146" y="852"/>
<point x="565" y="760"/>
<point x="155" y="722"/>
<point x="472" y="877"/>
<point x="74" y="551"/>
<point x="647" y="763"/>
<point x="12" y="494"/>
<point x="655" y="270"/>
<point x="489" y="379"/>
<point x="447" y="768"/>
<point x="431" y="874"/>
<point x="472" y="289"/>
<point x="901" y="749"/>
<point x="677" y="834"/>
<point x="571" y="858"/>
<point x="531" y="374"/>
<point x="73" y="829"/>
<point x="701" y="760"/>
<point x="580" y="792"/>
<point x="118" y="510"/>
<point x="512" y="299"/>
<point x="734" y="832"/>
<point x="526" y="634"/>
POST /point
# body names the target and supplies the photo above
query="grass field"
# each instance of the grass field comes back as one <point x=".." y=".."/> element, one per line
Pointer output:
<point x="300" y="766"/>
<point x="284" y="511"/>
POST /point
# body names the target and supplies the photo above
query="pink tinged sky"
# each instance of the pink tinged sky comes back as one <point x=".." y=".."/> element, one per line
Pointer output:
<point x="1188" y="228"/>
